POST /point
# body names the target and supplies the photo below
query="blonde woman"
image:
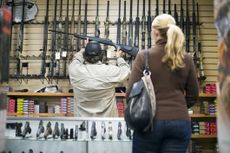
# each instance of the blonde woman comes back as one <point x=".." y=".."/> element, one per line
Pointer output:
<point x="176" y="88"/>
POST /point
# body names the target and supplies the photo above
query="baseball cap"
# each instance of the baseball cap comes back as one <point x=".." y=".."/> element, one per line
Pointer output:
<point x="93" y="48"/>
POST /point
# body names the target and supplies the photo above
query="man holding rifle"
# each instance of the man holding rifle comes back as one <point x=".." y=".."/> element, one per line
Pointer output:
<point x="94" y="82"/>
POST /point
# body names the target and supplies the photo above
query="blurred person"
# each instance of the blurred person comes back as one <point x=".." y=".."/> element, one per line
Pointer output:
<point x="176" y="88"/>
<point x="222" y="21"/>
<point x="94" y="82"/>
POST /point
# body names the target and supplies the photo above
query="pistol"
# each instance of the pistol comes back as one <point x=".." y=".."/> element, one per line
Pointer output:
<point x="83" y="126"/>
<point x="76" y="132"/>
<point x="83" y="129"/>
<point x="41" y="129"/>
<point x="48" y="130"/>
<point x="27" y="129"/>
<point x="119" y="131"/>
<point x="103" y="130"/>
<point x="66" y="134"/>
<point x="63" y="131"/>
<point x="110" y="131"/>
<point x="18" y="129"/>
<point x="128" y="133"/>
<point x="71" y="135"/>
<point x="56" y="131"/>
<point x="93" y="132"/>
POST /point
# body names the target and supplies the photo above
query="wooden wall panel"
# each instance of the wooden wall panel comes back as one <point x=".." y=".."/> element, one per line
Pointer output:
<point x="33" y="35"/>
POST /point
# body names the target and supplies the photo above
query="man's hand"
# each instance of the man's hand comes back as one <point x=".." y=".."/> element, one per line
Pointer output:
<point x="119" y="53"/>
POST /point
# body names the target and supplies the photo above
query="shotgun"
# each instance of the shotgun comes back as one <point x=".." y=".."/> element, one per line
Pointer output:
<point x="97" y="30"/>
<point x="119" y="24"/>
<point x="149" y="25"/>
<point x="124" y="27"/>
<point x="45" y="40"/>
<point x="143" y="27"/>
<point x="137" y="27"/>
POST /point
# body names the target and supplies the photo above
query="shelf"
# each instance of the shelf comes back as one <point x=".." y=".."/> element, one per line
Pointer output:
<point x="31" y="94"/>
<point x="64" y="114"/>
<point x="202" y="116"/>
<point x="205" y="95"/>
<point x="35" y="94"/>
<point x="40" y="114"/>
<point x="203" y="136"/>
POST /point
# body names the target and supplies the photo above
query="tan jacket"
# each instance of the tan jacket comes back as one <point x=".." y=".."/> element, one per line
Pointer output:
<point x="94" y="86"/>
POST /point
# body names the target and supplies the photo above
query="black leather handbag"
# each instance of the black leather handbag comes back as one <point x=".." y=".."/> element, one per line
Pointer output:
<point x="141" y="107"/>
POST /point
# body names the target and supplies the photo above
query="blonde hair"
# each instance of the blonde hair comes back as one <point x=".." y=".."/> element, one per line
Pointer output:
<point x="162" y="21"/>
<point x="174" y="48"/>
<point x="167" y="28"/>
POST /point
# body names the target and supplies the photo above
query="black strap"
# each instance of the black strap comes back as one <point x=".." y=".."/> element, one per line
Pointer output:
<point x="146" y="53"/>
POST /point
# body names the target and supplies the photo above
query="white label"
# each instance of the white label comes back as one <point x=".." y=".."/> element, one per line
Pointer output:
<point x="57" y="55"/>
<point x="64" y="54"/>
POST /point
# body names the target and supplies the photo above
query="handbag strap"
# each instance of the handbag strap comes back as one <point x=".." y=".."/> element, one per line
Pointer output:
<point x="146" y="54"/>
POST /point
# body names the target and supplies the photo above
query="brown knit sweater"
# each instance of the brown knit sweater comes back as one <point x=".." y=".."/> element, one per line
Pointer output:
<point x="175" y="91"/>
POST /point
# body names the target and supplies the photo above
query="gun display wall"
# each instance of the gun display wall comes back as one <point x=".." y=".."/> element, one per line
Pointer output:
<point x="46" y="54"/>
<point x="81" y="134"/>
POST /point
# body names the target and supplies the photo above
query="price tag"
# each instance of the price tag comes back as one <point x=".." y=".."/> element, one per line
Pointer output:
<point x="64" y="53"/>
<point x="57" y="55"/>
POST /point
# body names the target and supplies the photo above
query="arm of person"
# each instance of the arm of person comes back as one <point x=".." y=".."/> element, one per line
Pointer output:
<point x="192" y="87"/>
<point x="78" y="57"/>
<point x="119" y="73"/>
<point x="136" y="72"/>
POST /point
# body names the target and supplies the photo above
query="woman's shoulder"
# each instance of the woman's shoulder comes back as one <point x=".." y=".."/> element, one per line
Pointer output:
<point x="188" y="56"/>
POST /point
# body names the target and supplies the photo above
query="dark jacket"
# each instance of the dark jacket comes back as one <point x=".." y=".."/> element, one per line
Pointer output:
<point x="175" y="90"/>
